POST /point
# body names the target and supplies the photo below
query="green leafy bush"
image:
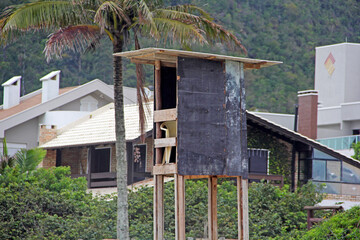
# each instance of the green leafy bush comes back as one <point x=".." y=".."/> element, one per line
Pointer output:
<point x="345" y="225"/>
<point x="48" y="204"/>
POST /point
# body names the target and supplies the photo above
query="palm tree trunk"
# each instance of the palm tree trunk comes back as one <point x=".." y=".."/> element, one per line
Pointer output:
<point x="121" y="167"/>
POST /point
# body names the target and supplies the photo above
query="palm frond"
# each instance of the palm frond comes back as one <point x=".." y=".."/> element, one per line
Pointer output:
<point x="42" y="15"/>
<point x="140" y="89"/>
<point x="216" y="32"/>
<point x="28" y="160"/>
<point x="192" y="9"/>
<point x="145" y="16"/>
<point x="74" y="38"/>
<point x="107" y="14"/>
<point x="179" y="31"/>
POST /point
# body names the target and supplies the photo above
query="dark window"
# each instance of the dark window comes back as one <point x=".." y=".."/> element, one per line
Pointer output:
<point x="58" y="157"/>
<point x="356" y="132"/>
<point x="101" y="160"/>
<point x="258" y="161"/>
<point x="168" y="87"/>
<point x="139" y="158"/>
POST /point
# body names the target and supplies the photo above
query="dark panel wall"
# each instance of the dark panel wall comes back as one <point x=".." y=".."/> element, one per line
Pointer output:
<point x="201" y="117"/>
<point x="209" y="126"/>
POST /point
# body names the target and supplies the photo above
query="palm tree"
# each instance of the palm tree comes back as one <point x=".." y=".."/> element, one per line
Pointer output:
<point x="78" y="25"/>
<point x="5" y="159"/>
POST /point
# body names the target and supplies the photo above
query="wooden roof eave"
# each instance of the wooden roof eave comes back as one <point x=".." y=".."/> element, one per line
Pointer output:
<point x="168" y="57"/>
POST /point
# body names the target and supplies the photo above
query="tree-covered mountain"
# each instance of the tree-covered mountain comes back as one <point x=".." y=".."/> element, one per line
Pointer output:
<point x="283" y="30"/>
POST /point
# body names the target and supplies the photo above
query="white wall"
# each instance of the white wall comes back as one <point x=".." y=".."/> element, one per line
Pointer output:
<point x="25" y="133"/>
<point x="60" y="118"/>
<point x="285" y="120"/>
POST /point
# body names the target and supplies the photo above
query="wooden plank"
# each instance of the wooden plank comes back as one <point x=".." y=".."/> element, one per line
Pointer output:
<point x="165" y="115"/>
<point x="179" y="207"/>
<point x="212" y="208"/>
<point x="245" y="208"/>
<point x="165" y="169"/>
<point x="103" y="175"/>
<point x="164" y="142"/>
<point x="206" y="176"/>
<point x="158" y="207"/>
<point x="152" y="62"/>
<point x="240" y="209"/>
<point x="322" y="207"/>
<point x="103" y="184"/>
<point x="316" y="219"/>
<point x="157" y="73"/>
<point x="266" y="177"/>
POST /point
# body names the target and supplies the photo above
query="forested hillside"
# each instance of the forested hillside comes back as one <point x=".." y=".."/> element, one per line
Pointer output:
<point x="283" y="30"/>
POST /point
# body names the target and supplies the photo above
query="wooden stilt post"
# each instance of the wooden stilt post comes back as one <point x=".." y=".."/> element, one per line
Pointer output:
<point x="158" y="106"/>
<point x="179" y="207"/>
<point x="158" y="179"/>
<point x="212" y="208"/>
<point x="159" y="207"/>
<point x="243" y="210"/>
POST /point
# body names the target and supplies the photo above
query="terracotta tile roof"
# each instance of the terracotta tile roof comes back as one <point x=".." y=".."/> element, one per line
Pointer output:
<point x="27" y="103"/>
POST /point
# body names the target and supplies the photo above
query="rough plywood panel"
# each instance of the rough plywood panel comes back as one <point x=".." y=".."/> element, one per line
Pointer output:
<point x="236" y="159"/>
<point x="201" y="117"/>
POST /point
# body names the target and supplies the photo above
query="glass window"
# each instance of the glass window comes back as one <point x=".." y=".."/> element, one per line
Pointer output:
<point x="333" y="171"/>
<point x="319" y="154"/>
<point x="319" y="170"/>
<point x="350" y="174"/>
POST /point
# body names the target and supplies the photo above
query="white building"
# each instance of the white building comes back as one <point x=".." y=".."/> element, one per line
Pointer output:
<point x="337" y="79"/>
<point x="50" y="107"/>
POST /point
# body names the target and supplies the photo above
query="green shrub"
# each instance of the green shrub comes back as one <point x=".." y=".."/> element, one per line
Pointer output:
<point x="48" y="204"/>
<point x="345" y="225"/>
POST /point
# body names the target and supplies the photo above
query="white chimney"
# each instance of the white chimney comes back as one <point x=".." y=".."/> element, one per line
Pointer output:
<point x="50" y="86"/>
<point x="11" y="92"/>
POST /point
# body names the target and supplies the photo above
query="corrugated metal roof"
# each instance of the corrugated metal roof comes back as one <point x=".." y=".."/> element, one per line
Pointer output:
<point x="99" y="127"/>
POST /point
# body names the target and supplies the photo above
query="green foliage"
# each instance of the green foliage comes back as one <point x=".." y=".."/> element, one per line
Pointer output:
<point x="356" y="147"/>
<point x="29" y="159"/>
<point x="274" y="212"/>
<point x="48" y="204"/>
<point x="280" y="154"/>
<point x="5" y="159"/>
<point x="278" y="212"/>
<point x="343" y="225"/>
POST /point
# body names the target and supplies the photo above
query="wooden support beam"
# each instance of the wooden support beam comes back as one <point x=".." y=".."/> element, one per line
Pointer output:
<point x="179" y="207"/>
<point x="165" y="169"/>
<point x="165" y="115"/>
<point x="243" y="209"/>
<point x="165" y="142"/>
<point x="158" y="207"/>
<point x="212" y="208"/>
<point x="158" y="106"/>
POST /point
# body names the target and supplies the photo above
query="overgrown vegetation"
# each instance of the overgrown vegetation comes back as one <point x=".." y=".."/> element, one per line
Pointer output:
<point x="48" y="204"/>
<point x="345" y="225"/>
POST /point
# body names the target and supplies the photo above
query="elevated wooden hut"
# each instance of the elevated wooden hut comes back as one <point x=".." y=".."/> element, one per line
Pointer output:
<point x="199" y="128"/>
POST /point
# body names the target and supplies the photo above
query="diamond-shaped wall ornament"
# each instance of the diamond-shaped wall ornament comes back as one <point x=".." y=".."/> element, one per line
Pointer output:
<point x="329" y="64"/>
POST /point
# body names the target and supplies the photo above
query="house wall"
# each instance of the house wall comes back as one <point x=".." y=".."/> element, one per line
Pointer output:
<point x="49" y="160"/>
<point x="25" y="133"/>
<point x="75" y="105"/>
<point x="76" y="159"/>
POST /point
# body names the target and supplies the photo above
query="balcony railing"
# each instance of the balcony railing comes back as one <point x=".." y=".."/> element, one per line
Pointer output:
<point x="340" y="143"/>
